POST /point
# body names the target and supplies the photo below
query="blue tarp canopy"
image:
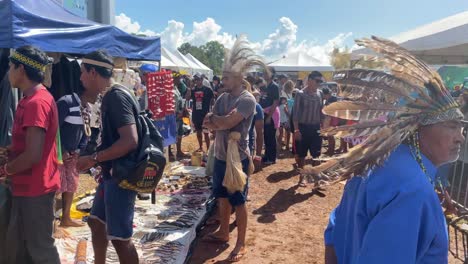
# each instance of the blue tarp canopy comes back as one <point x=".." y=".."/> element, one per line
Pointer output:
<point x="47" y="25"/>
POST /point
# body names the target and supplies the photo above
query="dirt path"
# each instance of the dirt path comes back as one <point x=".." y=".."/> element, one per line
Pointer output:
<point x="286" y="223"/>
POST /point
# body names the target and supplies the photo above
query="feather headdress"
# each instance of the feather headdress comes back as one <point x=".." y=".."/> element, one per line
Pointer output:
<point x="241" y="58"/>
<point x="389" y="107"/>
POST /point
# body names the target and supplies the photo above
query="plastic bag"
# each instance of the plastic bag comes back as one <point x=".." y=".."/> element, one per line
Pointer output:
<point x="234" y="179"/>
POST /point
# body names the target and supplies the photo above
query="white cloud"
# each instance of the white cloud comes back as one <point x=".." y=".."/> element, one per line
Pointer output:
<point x="282" y="39"/>
<point x="173" y="34"/>
<point x="282" y="42"/>
<point x="125" y="23"/>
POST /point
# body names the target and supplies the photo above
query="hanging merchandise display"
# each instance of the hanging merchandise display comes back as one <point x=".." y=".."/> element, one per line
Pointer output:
<point x="161" y="102"/>
<point x="160" y="87"/>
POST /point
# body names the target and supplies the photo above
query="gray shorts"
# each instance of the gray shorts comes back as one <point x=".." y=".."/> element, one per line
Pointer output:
<point x="30" y="230"/>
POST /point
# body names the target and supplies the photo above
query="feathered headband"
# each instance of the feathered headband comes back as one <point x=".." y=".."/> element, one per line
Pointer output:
<point x="241" y="58"/>
<point x="389" y="107"/>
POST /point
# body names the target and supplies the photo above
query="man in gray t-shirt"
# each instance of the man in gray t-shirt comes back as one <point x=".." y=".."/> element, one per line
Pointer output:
<point x="233" y="111"/>
<point x="244" y="104"/>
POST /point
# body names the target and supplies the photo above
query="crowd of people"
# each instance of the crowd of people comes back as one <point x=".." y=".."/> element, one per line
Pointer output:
<point x="392" y="209"/>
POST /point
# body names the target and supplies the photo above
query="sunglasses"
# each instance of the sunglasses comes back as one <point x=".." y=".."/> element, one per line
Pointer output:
<point x="318" y="80"/>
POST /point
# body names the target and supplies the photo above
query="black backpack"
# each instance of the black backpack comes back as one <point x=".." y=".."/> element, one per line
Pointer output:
<point x="142" y="169"/>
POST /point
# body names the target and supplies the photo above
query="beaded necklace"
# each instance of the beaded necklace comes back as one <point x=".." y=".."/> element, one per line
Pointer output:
<point x="86" y="116"/>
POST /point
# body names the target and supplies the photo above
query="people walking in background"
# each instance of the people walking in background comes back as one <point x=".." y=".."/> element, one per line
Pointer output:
<point x="282" y="79"/>
<point x="330" y="121"/>
<point x="269" y="100"/>
<point x="286" y="104"/>
<point x="256" y="133"/>
<point x="202" y="99"/>
<point x="307" y="118"/>
<point x="215" y="85"/>
<point x="181" y="111"/>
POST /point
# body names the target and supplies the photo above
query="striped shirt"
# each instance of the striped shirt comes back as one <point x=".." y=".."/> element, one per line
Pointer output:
<point x="307" y="108"/>
<point x="70" y="122"/>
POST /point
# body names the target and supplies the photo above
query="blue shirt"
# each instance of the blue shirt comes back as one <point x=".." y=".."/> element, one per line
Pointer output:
<point x="259" y="115"/>
<point x="391" y="216"/>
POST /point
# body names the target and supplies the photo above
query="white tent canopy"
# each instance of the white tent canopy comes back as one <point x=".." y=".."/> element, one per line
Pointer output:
<point x="175" y="60"/>
<point x="299" y="62"/>
<point x="442" y="42"/>
<point x="203" y="68"/>
<point x="177" y="64"/>
<point x="194" y="68"/>
<point x="166" y="62"/>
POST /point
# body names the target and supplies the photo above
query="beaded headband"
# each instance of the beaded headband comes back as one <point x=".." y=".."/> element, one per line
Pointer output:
<point x="23" y="59"/>
<point x="98" y="63"/>
<point x="448" y="115"/>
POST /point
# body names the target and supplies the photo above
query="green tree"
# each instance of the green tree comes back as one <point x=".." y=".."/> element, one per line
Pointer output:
<point x="211" y="54"/>
<point x="340" y="59"/>
<point x="215" y="55"/>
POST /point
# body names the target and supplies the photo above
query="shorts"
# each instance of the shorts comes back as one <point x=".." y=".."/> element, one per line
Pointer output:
<point x="285" y="125"/>
<point x="69" y="175"/>
<point x="197" y="121"/>
<point x="219" y="191"/>
<point x="114" y="207"/>
<point x="311" y="141"/>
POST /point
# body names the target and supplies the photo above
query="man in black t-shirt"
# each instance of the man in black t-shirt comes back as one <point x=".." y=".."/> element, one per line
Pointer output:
<point x="112" y="213"/>
<point x="202" y="99"/>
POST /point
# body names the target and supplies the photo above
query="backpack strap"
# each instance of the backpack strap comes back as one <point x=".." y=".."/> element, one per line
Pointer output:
<point x="136" y="108"/>
<point x="127" y="92"/>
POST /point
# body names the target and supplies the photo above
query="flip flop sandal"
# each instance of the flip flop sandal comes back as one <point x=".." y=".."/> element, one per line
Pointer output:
<point x="236" y="257"/>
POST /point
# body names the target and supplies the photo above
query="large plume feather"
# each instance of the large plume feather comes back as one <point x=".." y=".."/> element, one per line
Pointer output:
<point x="241" y="58"/>
<point x="388" y="106"/>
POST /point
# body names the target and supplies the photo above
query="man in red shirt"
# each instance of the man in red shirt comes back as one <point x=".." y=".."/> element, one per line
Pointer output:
<point x="32" y="170"/>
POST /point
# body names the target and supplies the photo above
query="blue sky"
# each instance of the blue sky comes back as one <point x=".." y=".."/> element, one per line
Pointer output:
<point x="316" y="21"/>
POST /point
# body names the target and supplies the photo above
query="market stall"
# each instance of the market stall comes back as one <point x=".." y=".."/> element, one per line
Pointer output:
<point x="163" y="232"/>
<point x="48" y="26"/>
<point x="66" y="37"/>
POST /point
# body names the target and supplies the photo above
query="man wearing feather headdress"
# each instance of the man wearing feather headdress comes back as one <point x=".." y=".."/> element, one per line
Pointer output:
<point x="232" y="112"/>
<point x="389" y="212"/>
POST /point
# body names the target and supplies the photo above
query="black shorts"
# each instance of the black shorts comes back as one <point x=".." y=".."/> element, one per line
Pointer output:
<point x="197" y="121"/>
<point x="311" y="141"/>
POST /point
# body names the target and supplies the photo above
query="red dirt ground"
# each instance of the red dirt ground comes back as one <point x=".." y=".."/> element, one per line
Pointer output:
<point x="285" y="223"/>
